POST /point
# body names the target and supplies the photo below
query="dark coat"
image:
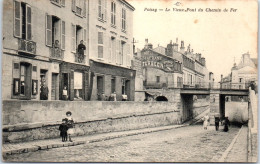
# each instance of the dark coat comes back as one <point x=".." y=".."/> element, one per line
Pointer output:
<point x="226" y="125"/>
<point x="63" y="129"/>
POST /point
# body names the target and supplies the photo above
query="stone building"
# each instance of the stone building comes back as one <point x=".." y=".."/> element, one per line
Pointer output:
<point x="40" y="40"/>
<point x="110" y="48"/>
<point x="160" y="70"/>
<point x="242" y="74"/>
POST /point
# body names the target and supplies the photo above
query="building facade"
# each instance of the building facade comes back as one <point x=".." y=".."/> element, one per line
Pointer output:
<point x="40" y="49"/>
<point x="160" y="70"/>
<point x="111" y="51"/>
<point x="67" y="50"/>
<point x="242" y="74"/>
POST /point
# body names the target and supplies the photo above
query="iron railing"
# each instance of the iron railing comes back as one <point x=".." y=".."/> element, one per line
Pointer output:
<point x="56" y="53"/>
<point x="26" y="46"/>
<point x="80" y="58"/>
<point x="199" y="85"/>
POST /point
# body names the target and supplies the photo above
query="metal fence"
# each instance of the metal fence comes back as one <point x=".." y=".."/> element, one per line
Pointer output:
<point x="200" y="85"/>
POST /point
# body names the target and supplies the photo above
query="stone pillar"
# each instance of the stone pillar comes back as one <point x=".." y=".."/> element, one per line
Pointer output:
<point x="118" y="88"/>
<point x="214" y="105"/>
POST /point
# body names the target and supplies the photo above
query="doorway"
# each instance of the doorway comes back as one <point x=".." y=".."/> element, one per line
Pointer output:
<point x="100" y="85"/>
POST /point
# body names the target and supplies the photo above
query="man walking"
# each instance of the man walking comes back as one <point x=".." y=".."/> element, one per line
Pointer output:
<point x="217" y="119"/>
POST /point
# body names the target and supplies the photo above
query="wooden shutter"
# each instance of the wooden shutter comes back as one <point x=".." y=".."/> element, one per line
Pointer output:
<point x="17" y="19"/>
<point x="117" y="51"/>
<point x="84" y="8"/>
<point x="72" y="85"/>
<point x="105" y="9"/>
<point x="86" y="85"/>
<point x="62" y="2"/>
<point x="73" y="6"/>
<point x="73" y="34"/>
<point x="48" y="34"/>
<point x="63" y="36"/>
<point x="84" y="36"/>
<point x="110" y="49"/>
<point x="28" y="22"/>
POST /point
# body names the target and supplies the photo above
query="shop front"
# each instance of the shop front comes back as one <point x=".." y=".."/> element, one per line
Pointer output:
<point x="108" y="79"/>
<point x="74" y="83"/>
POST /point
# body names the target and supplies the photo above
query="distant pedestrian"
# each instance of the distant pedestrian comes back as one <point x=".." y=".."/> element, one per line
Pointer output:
<point x="226" y="124"/>
<point x="206" y="122"/>
<point x="217" y="120"/>
<point x="63" y="130"/>
<point x="70" y="124"/>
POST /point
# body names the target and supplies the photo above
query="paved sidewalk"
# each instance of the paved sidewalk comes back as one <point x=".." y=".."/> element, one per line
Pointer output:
<point x="238" y="151"/>
<point x="17" y="148"/>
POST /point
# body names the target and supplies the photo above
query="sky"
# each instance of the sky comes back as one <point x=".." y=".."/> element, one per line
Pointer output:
<point x="221" y="37"/>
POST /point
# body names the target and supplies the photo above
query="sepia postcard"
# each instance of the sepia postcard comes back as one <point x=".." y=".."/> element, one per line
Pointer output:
<point x="129" y="81"/>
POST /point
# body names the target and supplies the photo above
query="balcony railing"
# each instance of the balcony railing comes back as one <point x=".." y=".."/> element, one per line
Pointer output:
<point x="80" y="58"/>
<point x="26" y="46"/>
<point x="56" y="53"/>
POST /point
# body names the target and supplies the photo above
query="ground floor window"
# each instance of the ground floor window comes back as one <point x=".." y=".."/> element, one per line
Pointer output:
<point x="44" y="91"/>
<point x="78" y="85"/>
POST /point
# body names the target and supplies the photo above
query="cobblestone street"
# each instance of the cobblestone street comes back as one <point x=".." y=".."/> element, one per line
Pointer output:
<point x="184" y="144"/>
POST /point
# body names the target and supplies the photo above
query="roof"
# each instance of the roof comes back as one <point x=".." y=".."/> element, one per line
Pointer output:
<point x="127" y="4"/>
<point x="255" y="60"/>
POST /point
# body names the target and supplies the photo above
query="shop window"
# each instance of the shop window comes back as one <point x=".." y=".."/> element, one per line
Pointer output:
<point x="113" y="85"/>
<point x="78" y="85"/>
<point x="123" y="86"/>
<point x="22" y="80"/>
<point x="44" y="91"/>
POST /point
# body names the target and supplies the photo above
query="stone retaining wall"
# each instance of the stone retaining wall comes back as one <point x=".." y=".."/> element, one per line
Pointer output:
<point x="31" y="120"/>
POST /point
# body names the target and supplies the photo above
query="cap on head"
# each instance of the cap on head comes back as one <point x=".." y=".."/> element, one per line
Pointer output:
<point x="68" y="113"/>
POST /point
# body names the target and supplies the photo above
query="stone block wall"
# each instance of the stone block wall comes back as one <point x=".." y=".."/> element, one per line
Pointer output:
<point x="30" y="120"/>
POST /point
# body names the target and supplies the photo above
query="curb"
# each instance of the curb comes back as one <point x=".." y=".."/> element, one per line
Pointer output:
<point x="37" y="147"/>
<point x="225" y="154"/>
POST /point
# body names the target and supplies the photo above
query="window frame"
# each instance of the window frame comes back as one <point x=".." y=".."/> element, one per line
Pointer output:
<point x="100" y="45"/>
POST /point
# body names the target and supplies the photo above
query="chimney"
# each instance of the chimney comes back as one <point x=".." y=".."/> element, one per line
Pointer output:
<point x="146" y="43"/>
<point x="203" y="61"/>
<point x="169" y="49"/>
<point x="182" y="48"/>
<point x="221" y="78"/>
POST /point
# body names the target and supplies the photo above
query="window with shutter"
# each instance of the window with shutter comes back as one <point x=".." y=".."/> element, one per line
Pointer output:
<point x="100" y="9"/>
<point x="73" y="34"/>
<point x="28" y="23"/>
<point x="84" y="8"/>
<point x="48" y="34"/>
<point x="62" y="2"/>
<point x="113" y="13"/>
<point x="100" y="51"/>
<point x="100" y="44"/>
<point x="110" y="49"/>
<point x="17" y="19"/>
<point x="63" y="36"/>
<point x="85" y="37"/>
<point x="105" y="10"/>
<point x="73" y="5"/>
